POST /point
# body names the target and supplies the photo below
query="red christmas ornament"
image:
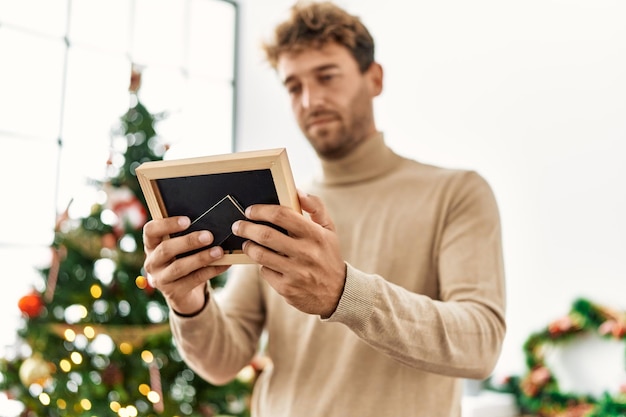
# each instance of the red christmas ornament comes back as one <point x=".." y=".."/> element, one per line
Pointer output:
<point x="31" y="304"/>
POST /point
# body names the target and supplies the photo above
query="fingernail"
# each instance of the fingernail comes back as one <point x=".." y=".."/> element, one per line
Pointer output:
<point x="235" y="227"/>
<point x="244" y="244"/>
<point x="183" y="221"/>
<point x="205" y="237"/>
<point x="215" y="252"/>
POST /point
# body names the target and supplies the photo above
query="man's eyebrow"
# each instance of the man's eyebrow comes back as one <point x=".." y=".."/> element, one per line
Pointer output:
<point x="321" y="68"/>
<point x="288" y="79"/>
<point x="325" y="67"/>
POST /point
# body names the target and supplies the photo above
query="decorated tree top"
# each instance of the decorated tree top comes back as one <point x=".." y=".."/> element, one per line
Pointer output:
<point x="135" y="142"/>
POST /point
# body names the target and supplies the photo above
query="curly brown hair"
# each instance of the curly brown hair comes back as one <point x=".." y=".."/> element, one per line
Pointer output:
<point x="315" y="24"/>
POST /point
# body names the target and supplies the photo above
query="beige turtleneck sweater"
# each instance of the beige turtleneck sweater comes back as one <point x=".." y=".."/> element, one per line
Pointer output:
<point x="423" y="303"/>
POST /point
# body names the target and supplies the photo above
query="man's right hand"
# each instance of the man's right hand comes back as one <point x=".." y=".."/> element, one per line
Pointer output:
<point x="182" y="281"/>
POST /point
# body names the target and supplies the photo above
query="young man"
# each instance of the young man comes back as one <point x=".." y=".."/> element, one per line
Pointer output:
<point x="387" y="292"/>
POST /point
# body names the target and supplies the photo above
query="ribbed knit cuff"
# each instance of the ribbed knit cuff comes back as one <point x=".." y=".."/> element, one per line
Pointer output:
<point x="357" y="302"/>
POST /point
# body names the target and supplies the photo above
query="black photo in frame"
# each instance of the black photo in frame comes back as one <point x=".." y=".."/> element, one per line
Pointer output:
<point x="214" y="191"/>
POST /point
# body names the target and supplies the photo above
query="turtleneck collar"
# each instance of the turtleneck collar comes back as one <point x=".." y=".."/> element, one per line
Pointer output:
<point x="371" y="159"/>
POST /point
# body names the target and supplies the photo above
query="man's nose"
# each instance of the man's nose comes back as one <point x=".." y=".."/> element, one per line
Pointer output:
<point x="311" y="97"/>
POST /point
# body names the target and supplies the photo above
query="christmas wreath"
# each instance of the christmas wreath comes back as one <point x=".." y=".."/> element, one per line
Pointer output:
<point x="537" y="392"/>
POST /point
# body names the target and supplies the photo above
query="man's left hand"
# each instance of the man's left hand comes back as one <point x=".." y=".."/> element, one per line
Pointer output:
<point x="305" y="266"/>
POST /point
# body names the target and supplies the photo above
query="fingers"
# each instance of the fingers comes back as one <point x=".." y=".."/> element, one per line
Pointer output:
<point x="185" y="294"/>
<point x="296" y="225"/>
<point x="289" y="219"/>
<point x="313" y="205"/>
<point x="155" y="230"/>
<point x="264" y="235"/>
<point x="266" y="257"/>
<point x="181" y="279"/>
<point x="186" y="265"/>
<point x="156" y="237"/>
<point x="163" y="261"/>
<point x="168" y="250"/>
<point x="304" y="266"/>
<point x="176" y="278"/>
<point x="185" y="282"/>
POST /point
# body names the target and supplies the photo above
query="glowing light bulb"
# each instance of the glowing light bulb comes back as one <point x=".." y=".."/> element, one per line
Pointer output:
<point x="126" y="348"/>
<point x="76" y="357"/>
<point x="70" y="335"/>
<point x="154" y="397"/>
<point x="85" y="403"/>
<point x="44" y="398"/>
<point x="65" y="365"/>
<point x="147" y="356"/>
<point x="90" y="332"/>
<point x="96" y="291"/>
<point x="115" y="406"/>
<point x="144" y="389"/>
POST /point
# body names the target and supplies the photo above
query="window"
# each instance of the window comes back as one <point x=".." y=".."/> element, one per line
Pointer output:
<point x="63" y="87"/>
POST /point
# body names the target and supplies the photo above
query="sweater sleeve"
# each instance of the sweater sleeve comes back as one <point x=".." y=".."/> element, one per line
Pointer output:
<point x="222" y="339"/>
<point x="461" y="332"/>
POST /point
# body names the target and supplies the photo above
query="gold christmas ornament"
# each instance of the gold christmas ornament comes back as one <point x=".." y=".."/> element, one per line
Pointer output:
<point x="35" y="370"/>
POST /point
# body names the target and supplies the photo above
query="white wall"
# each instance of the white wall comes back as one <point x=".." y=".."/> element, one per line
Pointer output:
<point x="532" y="94"/>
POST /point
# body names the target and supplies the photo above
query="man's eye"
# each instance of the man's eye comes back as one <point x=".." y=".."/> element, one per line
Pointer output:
<point x="326" y="77"/>
<point x="293" y="89"/>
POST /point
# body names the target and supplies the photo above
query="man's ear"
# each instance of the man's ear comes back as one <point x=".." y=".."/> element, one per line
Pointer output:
<point x="375" y="78"/>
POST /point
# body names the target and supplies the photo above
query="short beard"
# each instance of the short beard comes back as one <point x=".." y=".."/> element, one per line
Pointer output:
<point x="335" y="149"/>
<point x="347" y="136"/>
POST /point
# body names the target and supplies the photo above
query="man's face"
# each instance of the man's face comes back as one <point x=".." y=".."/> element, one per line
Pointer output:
<point x="330" y="98"/>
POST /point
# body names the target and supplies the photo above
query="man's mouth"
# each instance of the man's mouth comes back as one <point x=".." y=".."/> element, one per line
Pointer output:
<point x="320" y="120"/>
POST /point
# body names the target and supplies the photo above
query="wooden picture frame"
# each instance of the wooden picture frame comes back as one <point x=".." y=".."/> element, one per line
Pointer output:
<point x="216" y="189"/>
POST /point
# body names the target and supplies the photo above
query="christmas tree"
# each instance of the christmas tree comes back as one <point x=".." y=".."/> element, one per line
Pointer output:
<point x="95" y="339"/>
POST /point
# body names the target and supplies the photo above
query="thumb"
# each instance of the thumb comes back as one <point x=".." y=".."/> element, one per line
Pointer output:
<point x="313" y="205"/>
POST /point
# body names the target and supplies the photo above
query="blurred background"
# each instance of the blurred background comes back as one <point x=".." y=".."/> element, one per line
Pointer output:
<point x="530" y="94"/>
